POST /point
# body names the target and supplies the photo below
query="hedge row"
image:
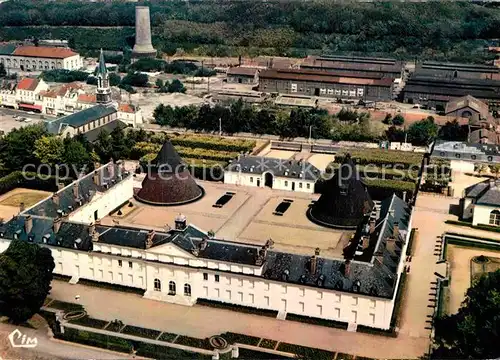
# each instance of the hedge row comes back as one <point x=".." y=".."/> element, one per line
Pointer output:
<point x="142" y="149"/>
<point x="18" y="179"/>
<point x="304" y="352"/>
<point x="383" y="157"/>
<point x="207" y="142"/>
<point x="239" y="308"/>
<point x="317" y="321"/>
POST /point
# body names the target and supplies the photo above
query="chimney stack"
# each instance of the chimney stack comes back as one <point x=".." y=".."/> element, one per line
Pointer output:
<point x="203" y="244"/>
<point x="317" y="251"/>
<point x="379" y="256"/>
<point x="55" y="199"/>
<point x="22" y="207"/>
<point x="180" y="222"/>
<point x="143" y="47"/>
<point x="149" y="239"/>
<point x="372" y="226"/>
<point x="395" y="232"/>
<point x="313" y="264"/>
<point x="76" y="193"/>
<point x="91" y="228"/>
<point x="28" y="224"/>
<point x="56" y="225"/>
<point x="365" y="242"/>
<point x="97" y="178"/>
<point x="390" y="244"/>
<point x="60" y="186"/>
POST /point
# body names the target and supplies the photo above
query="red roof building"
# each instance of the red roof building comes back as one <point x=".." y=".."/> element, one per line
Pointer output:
<point x="44" y="52"/>
<point x="28" y="84"/>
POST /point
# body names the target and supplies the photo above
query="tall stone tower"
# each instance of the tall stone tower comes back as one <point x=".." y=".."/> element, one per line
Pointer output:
<point x="143" y="47"/>
<point x="103" y="94"/>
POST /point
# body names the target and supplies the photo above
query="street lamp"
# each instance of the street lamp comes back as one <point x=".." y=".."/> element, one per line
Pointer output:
<point x="220" y="126"/>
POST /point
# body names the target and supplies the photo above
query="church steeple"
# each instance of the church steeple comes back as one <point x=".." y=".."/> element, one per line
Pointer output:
<point x="103" y="94"/>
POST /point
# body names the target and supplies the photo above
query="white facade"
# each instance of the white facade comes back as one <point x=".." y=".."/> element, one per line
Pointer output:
<point x="133" y="118"/>
<point x="235" y="284"/>
<point x="278" y="182"/>
<point x="39" y="63"/>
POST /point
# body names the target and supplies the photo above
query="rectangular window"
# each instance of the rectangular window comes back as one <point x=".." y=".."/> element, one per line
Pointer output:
<point x="372" y="318"/>
<point x="355" y="301"/>
<point x="240" y="282"/>
<point x="344" y="92"/>
<point x="301" y="306"/>
<point x="372" y="304"/>
<point x="110" y="275"/>
<point x="130" y="264"/>
<point x="228" y="294"/>
<point x="217" y="293"/>
<point x="266" y="286"/>
<point x="266" y="300"/>
<point x="354" y="316"/>
<point x="240" y="296"/>
<point x="286" y="183"/>
<point x="130" y="279"/>
<point x="301" y="292"/>
<point x="352" y="93"/>
<point x="120" y="277"/>
<point x="120" y="263"/>
<point x="337" y="298"/>
<point x="319" y="310"/>
<point x="320" y="295"/>
<point x="300" y="185"/>
<point x="283" y="289"/>
<point x="361" y="92"/>
<point x="330" y="91"/>
<point x="100" y="274"/>
<point x="205" y="276"/>
<point x="217" y="278"/>
<point x="250" y="298"/>
<point x="336" y="312"/>
<point x="308" y="185"/>
<point x="322" y="91"/>
<point x="293" y="88"/>
<point x="251" y="179"/>
<point x="205" y="291"/>
<point x="251" y="284"/>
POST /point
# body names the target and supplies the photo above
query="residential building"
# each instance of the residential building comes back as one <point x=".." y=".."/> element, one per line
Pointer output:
<point x="28" y="94"/>
<point x="130" y="114"/>
<point x="184" y="264"/>
<point x="8" y="93"/>
<point x="463" y="156"/>
<point x="243" y="75"/>
<point x="38" y="58"/>
<point x="371" y="87"/>
<point x="291" y="175"/>
<point x="481" y="203"/>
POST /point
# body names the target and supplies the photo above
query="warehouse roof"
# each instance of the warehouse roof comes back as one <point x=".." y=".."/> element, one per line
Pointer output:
<point x="467" y="101"/>
<point x="377" y="67"/>
<point x="242" y="71"/>
<point x="44" y="52"/>
<point x="6" y="48"/>
<point x="321" y="76"/>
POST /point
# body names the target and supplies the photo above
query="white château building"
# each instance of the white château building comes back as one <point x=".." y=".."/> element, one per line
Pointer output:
<point x="183" y="265"/>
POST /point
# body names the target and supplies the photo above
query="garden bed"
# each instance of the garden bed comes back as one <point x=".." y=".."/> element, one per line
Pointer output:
<point x="239" y="308"/>
<point x="194" y="342"/>
<point x="142" y="332"/>
<point x="252" y="354"/>
<point x="305" y="352"/>
<point x="168" y="337"/>
<point x="164" y="352"/>
<point x="317" y="321"/>
<point x="240" y="338"/>
<point x="90" y="322"/>
<point x="268" y="344"/>
<point x="65" y="306"/>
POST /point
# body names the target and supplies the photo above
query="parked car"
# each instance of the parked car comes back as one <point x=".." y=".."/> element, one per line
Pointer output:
<point x="28" y="120"/>
<point x="31" y="113"/>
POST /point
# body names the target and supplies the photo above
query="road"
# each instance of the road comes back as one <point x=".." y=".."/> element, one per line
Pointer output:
<point x="48" y="348"/>
<point x="12" y="112"/>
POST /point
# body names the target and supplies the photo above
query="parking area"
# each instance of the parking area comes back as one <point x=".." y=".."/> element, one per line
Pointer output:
<point x="12" y="119"/>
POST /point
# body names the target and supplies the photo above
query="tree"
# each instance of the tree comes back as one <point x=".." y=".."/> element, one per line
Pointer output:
<point x="75" y="154"/>
<point x="453" y="131"/>
<point x="388" y="119"/>
<point x="25" y="276"/>
<point x="18" y="146"/>
<point x="159" y="84"/>
<point x="495" y="169"/>
<point x="135" y="79"/>
<point x="3" y="72"/>
<point x="473" y="332"/>
<point x="114" y="79"/>
<point x="49" y="150"/>
<point x="103" y="146"/>
<point x="423" y="131"/>
<point x="398" y="120"/>
<point x="176" y="87"/>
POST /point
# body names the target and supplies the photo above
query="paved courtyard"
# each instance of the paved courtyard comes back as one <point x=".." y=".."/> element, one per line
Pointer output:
<point x="10" y="201"/>
<point x="247" y="217"/>
<point x="320" y="161"/>
<point x="201" y="321"/>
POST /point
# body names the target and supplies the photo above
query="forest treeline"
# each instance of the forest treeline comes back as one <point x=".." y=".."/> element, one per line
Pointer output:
<point x="430" y="30"/>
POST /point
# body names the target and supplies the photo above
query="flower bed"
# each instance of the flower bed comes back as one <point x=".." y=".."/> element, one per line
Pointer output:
<point x="164" y="352"/>
<point x="268" y="344"/>
<point x="94" y="339"/>
<point x="252" y="354"/>
<point x="90" y="322"/>
<point x="240" y="338"/>
<point x="65" y="306"/>
<point x="168" y="337"/>
<point x="244" y="309"/>
<point x="317" y="321"/>
<point x="142" y="332"/>
<point x="306" y="352"/>
<point x="194" y="342"/>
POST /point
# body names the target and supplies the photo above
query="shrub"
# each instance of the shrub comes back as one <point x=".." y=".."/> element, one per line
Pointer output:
<point x="168" y="337"/>
<point x="19" y="179"/>
<point x="382" y="157"/>
<point x="232" y="338"/>
<point x="240" y="308"/>
<point x="142" y="332"/>
<point x="268" y="344"/>
<point x="304" y="352"/>
<point x="90" y="322"/>
<point x="165" y="352"/>
<point x="94" y="339"/>
<point x="317" y="321"/>
<point x="194" y="342"/>
<point x="398" y="120"/>
<point x="65" y="306"/>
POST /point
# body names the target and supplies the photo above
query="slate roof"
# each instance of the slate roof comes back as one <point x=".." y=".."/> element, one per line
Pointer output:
<point x="484" y="135"/>
<point x="344" y="201"/>
<point x="466" y="151"/>
<point x="7" y="49"/>
<point x="291" y="169"/>
<point x="110" y="174"/>
<point x="102" y="64"/>
<point x="108" y="127"/>
<point x="168" y="159"/>
<point x="80" y="118"/>
<point x="371" y="275"/>
<point x="485" y="193"/>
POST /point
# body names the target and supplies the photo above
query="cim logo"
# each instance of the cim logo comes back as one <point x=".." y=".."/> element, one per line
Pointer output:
<point x="19" y="340"/>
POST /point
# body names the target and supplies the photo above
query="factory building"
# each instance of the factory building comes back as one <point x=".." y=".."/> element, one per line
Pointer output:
<point x="321" y="83"/>
<point x="386" y="68"/>
<point x="38" y="58"/>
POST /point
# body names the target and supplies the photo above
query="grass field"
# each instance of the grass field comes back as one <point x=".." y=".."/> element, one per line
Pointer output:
<point x="29" y="197"/>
